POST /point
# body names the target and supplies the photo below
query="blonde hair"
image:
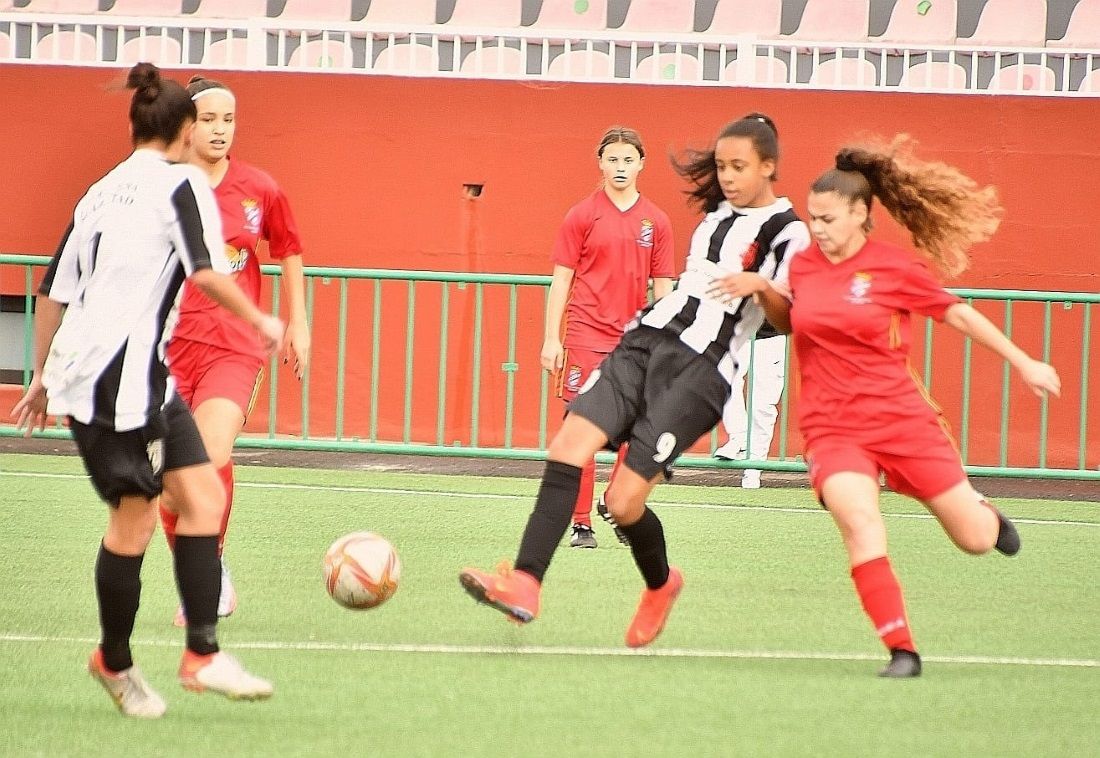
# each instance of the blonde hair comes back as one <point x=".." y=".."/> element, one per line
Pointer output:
<point x="944" y="210"/>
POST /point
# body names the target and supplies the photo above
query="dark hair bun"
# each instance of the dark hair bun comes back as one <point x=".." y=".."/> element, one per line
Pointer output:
<point x="145" y="79"/>
<point x="763" y="118"/>
<point x="196" y="79"/>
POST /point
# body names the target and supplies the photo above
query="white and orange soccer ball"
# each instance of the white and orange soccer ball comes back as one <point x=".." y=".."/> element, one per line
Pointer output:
<point x="361" y="570"/>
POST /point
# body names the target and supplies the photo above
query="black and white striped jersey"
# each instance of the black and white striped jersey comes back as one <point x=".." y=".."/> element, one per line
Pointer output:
<point x="135" y="236"/>
<point x="728" y="240"/>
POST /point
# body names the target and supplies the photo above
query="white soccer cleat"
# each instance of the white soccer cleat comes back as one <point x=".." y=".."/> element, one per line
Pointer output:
<point x="128" y="688"/>
<point x="222" y="673"/>
<point x="227" y="600"/>
<point x="750" y="480"/>
<point x="731" y="451"/>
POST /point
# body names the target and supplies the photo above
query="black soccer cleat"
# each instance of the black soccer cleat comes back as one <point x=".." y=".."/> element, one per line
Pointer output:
<point x="1008" y="539"/>
<point x="601" y="508"/>
<point x="903" y="664"/>
<point x="583" y="536"/>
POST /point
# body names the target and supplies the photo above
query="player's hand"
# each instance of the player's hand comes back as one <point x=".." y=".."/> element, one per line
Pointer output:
<point x="271" y="331"/>
<point x="734" y="286"/>
<point x="553" y="355"/>
<point x="30" y="411"/>
<point x="1041" y="378"/>
<point x="296" y="347"/>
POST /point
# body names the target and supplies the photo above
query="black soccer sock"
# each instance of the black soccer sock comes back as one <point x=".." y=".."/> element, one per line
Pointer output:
<point x="553" y="510"/>
<point x="647" y="542"/>
<point x="118" y="590"/>
<point x="199" y="578"/>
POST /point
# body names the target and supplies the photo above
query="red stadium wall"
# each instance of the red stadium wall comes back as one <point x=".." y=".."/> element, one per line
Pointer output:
<point x="375" y="167"/>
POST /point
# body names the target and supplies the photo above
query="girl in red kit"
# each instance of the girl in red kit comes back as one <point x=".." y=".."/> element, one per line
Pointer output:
<point x="216" y="362"/>
<point x="608" y="248"/>
<point x="862" y="411"/>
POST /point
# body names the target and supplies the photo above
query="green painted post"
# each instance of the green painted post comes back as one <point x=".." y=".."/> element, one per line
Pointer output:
<point x="441" y="399"/>
<point x="341" y="357"/>
<point x="1006" y="376"/>
<point x="310" y="281"/>
<point x="376" y="346"/>
<point x="475" y="384"/>
<point x="273" y="365"/>
<point x="410" y="321"/>
<point x="964" y="432"/>
<point x="1082" y="440"/>
<point x="1044" y="410"/>
<point x="510" y="367"/>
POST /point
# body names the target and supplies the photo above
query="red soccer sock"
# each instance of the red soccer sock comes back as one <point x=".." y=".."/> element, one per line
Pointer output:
<point x="225" y="473"/>
<point x="582" y="509"/>
<point x="880" y="594"/>
<point x="618" y="463"/>
<point x="168" y="522"/>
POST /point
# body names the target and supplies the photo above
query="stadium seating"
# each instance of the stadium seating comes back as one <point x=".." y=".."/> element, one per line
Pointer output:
<point x="671" y="16"/>
<point x="60" y="6"/>
<point x="758" y="18"/>
<point x="320" y="53"/>
<point x="407" y="58"/>
<point x="232" y="9"/>
<point x="581" y="64"/>
<point x="845" y="73"/>
<point x="66" y="46"/>
<point x="1091" y="82"/>
<point x="765" y="70"/>
<point x="1010" y="23"/>
<point x="572" y="15"/>
<point x="154" y="48"/>
<point x="316" y="10"/>
<point x="1083" y="31"/>
<point x="1024" y="76"/>
<point x="491" y="14"/>
<point x="909" y="27"/>
<point x="407" y="12"/>
<point x="834" y="21"/>
<point x="677" y="67"/>
<point x="145" y="8"/>
<point x="226" y="52"/>
<point x="495" y="61"/>
<point x="935" y="75"/>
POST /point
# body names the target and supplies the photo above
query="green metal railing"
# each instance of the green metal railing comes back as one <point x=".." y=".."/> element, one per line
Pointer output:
<point x="452" y="327"/>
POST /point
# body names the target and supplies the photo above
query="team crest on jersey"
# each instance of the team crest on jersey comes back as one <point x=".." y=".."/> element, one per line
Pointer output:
<point x="155" y="451"/>
<point x="237" y="258"/>
<point x="857" y="291"/>
<point x="573" y="378"/>
<point x="749" y="256"/>
<point x="645" y="235"/>
<point x="252" y="215"/>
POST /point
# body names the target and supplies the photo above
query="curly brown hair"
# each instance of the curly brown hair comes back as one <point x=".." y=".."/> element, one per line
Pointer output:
<point x="946" y="211"/>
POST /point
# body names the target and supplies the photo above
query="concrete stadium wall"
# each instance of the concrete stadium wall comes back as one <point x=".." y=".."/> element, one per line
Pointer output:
<point x="375" y="167"/>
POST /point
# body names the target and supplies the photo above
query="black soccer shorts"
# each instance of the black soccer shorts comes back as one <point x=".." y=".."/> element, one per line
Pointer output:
<point x="134" y="462"/>
<point x="655" y="393"/>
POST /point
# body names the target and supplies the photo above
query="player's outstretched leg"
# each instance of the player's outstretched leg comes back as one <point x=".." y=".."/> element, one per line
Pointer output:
<point x="128" y="688"/>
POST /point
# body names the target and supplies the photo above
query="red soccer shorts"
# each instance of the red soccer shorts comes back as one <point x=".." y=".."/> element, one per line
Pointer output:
<point x="205" y="371"/>
<point x="577" y="365"/>
<point x="930" y="469"/>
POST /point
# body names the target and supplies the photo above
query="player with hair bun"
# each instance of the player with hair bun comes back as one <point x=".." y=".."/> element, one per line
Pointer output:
<point x="104" y="314"/>
<point x="217" y="363"/>
<point x="862" y="411"/>
<point x="664" y="385"/>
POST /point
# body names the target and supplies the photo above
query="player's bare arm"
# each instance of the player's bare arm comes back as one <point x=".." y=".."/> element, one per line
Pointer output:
<point x="552" y="351"/>
<point x="1040" y="377"/>
<point x="298" y="341"/>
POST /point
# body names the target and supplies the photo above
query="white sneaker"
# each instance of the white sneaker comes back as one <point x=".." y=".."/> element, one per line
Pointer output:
<point x="750" y="480"/>
<point x="222" y="673"/>
<point x="227" y="600"/>
<point x="731" y="451"/>
<point x="131" y="693"/>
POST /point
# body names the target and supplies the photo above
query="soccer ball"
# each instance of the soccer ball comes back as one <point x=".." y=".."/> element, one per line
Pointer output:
<point x="361" y="570"/>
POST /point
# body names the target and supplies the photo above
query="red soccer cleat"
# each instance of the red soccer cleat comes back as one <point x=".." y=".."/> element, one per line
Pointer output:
<point x="653" y="610"/>
<point x="513" y="593"/>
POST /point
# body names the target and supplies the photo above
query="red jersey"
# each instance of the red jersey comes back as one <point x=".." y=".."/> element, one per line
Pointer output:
<point x="851" y="325"/>
<point x="614" y="254"/>
<point x="253" y="207"/>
